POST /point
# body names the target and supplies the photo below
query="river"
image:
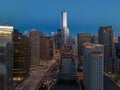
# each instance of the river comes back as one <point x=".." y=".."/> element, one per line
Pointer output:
<point x="67" y="83"/>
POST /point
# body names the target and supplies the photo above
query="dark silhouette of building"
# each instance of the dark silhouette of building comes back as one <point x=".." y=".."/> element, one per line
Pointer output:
<point x="119" y="39"/>
<point x="35" y="48"/>
<point x="21" y="56"/>
<point x="105" y="35"/>
<point x="46" y="47"/>
<point x="117" y="46"/>
<point x="6" y="57"/>
<point x="82" y="38"/>
<point x="94" y="39"/>
<point x="58" y="40"/>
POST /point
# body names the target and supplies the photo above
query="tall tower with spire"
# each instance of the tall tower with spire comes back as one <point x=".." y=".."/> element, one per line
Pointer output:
<point x="64" y="28"/>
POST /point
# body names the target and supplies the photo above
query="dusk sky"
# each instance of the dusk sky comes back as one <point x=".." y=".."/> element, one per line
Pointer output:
<point x="83" y="15"/>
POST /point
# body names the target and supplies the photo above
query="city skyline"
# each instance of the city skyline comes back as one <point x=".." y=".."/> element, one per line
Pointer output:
<point x="83" y="16"/>
<point x="36" y="61"/>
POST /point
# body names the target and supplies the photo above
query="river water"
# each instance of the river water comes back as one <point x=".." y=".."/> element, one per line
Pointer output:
<point x="109" y="84"/>
<point x="67" y="83"/>
<point x="70" y="83"/>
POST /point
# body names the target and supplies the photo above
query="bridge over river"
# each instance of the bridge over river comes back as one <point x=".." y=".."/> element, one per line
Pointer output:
<point x="68" y="76"/>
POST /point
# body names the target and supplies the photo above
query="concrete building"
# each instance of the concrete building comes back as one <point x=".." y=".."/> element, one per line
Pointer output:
<point x="46" y="48"/>
<point x="93" y="66"/>
<point x="82" y="38"/>
<point x="2" y="74"/>
<point x="58" y="40"/>
<point x="115" y="39"/>
<point x="119" y="39"/>
<point x="6" y="57"/>
<point x="75" y="48"/>
<point x="117" y="46"/>
<point x="21" y="56"/>
<point x="105" y="35"/>
<point x="94" y="39"/>
<point x="35" y="48"/>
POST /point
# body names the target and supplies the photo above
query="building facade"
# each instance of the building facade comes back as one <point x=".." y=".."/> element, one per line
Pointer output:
<point x="82" y="38"/>
<point x="58" y="40"/>
<point x="105" y="37"/>
<point x="64" y="27"/>
<point x="94" y="39"/>
<point x="35" y="48"/>
<point x="93" y="66"/>
<point x="119" y="39"/>
<point x="21" y="56"/>
<point x="117" y="46"/>
<point x="6" y="57"/>
<point x="46" y="48"/>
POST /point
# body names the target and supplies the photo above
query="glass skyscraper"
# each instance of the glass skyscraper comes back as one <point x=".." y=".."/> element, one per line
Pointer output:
<point x="105" y="37"/>
<point x="64" y="28"/>
<point x="93" y="66"/>
<point x="6" y="57"/>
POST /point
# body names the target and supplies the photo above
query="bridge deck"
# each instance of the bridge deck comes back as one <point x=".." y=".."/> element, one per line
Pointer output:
<point x="78" y="75"/>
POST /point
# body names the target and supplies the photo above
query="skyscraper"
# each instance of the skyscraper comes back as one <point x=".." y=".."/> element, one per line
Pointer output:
<point x="35" y="48"/>
<point x="119" y="39"/>
<point x="64" y="28"/>
<point x="21" y="59"/>
<point x="58" y="41"/>
<point x="82" y="38"/>
<point x="115" y="39"/>
<point x="94" y="39"/>
<point x="6" y="57"/>
<point x="105" y="37"/>
<point x="118" y="53"/>
<point x="46" y="47"/>
<point x="93" y="66"/>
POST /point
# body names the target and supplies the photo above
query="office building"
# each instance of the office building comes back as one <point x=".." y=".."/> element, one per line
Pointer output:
<point x="46" y="48"/>
<point x="93" y="66"/>
<point x="58" y="40"/>
<point x="115" y="39"/>
<point x="2" y="75"/>
<point x="118" y="39"/>
<point x="21" y="56"/>
<point x="105" y="37"/>
<point x="75" y="48"/>
<point x="35" y="48"/>
<point x="82" y="38"/>
<point x="6" y="57"/>
<point x="94" y="39"/>
<point x="117" y="46"/>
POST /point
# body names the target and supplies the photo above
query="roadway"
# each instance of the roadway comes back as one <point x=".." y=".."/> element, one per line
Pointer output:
<point x="36" y="76"/>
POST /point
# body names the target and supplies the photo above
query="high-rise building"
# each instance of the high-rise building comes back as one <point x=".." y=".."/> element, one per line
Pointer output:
<point x="35" y="48"/>
<point x="115" y="39"/>
<point x="93" y="66"/>
<point x="6" y="57"/>
<point x="82" y="38"/>
<point x="46" y="48"/>
<point x="75" y="48"/>
<point x="2" y="74"/>
<point x="64" y="28"/>
<point x="118" y="39"/>
<point x="58" y="40"/>
<point x="94" y="39"/>
<point x="117" y="45"/>
<point x="21" y="56"/>
<point x="105" y="37"/>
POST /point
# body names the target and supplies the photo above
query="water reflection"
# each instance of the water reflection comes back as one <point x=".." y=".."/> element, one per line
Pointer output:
<point x="67" y="83"/>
